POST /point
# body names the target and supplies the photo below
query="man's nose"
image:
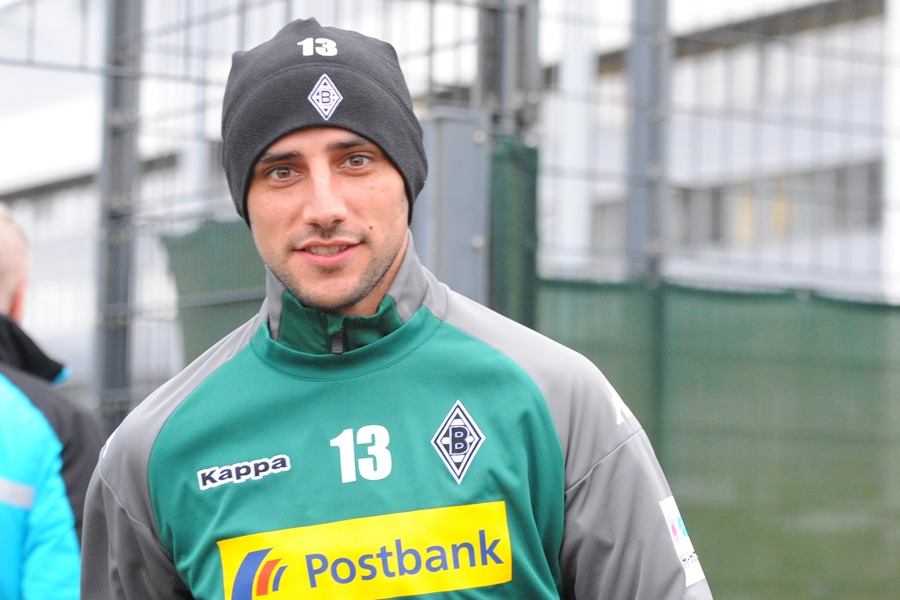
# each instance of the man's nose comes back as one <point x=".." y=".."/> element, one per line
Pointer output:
<point x="325" y="206"/>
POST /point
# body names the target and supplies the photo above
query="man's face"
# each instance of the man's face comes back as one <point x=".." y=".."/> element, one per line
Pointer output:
<point x="328" y="212"/>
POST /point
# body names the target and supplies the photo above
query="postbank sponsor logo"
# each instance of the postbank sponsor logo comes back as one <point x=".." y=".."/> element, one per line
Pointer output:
<point x="401" y="554"/>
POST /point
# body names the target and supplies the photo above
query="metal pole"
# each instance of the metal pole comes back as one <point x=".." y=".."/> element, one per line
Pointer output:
<point x="507" y="89"/>
<point x="508" y="84"/>
<point x="508" y="69"/>
<point x="649" y="59"/>
<point x="890" y="228"/>
<point x="118" y="183"/>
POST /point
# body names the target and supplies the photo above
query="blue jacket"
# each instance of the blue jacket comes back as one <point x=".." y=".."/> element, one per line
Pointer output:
<point x="39" y="553"/>
<point x="80" y="432"/>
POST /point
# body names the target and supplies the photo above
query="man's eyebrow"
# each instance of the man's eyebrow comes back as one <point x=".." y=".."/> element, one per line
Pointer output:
<point x="268" y="159"/>
<point x="346" y="144"/>
<point x="349" y="143"/>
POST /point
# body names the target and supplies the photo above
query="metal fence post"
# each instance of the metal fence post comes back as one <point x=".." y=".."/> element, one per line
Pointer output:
<point x="118" y="180"/>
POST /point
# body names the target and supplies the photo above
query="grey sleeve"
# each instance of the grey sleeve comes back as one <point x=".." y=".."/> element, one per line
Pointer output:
<point x="624" y="537"/>
<point x="122" y="558"/>
<point x="618" y="541"/>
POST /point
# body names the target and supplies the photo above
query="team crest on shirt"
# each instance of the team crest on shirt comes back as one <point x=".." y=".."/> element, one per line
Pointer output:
<point x="457" y="441"/>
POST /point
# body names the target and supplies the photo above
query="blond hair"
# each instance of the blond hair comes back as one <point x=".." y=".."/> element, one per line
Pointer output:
<point x="13" y="258"/>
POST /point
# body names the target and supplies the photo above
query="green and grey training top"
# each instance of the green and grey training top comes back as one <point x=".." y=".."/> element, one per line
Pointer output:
<point x="434" y="450"/>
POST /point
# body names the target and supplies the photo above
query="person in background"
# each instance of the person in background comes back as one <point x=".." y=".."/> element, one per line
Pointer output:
<point x="39" y="553"/>
<point x="371" y="433"/>
<point x="39" y="548"/>
<point x="29" y="370"/>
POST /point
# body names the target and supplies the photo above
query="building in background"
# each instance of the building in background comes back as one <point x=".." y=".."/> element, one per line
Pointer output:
<point x="776" y="128"/>
<point x="772" y="124"/>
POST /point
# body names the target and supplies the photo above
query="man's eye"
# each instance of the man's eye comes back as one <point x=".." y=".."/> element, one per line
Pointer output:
<point x="358" y="161"/>
<point x="280" y="173"/>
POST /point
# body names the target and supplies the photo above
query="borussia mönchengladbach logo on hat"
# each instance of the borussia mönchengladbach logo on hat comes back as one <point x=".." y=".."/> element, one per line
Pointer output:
<point x="325" y="96"/>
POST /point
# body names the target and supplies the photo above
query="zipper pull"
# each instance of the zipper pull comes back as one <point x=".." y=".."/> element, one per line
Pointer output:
<point x="339" y="342"/>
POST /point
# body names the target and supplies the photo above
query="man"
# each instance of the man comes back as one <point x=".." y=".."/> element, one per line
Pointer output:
<point x="39" y="554"/>
<point x="370" y="433"/>
<point x="25" y="366"/>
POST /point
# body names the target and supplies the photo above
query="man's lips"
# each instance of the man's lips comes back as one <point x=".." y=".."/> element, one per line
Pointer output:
<point x="325" y="250"/>
<point x="327" y="254"/>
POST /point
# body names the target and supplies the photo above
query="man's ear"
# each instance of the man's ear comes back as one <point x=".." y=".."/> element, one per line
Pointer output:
<point x="17" y="305"/>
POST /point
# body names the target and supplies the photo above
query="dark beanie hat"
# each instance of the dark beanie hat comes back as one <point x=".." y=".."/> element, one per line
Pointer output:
<point x="312" y="76"/>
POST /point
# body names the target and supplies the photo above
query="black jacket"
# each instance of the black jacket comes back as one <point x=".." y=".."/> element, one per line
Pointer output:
<point x="79" y="431"/>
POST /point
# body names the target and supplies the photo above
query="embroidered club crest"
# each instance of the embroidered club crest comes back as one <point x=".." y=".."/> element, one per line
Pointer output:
<point x="325" y="96"/>
<point x="457" y="441"/>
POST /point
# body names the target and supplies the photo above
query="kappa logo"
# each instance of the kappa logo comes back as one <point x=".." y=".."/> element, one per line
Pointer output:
<point x="243" y="471"/>
<point x="622" y="410"/>
<point x="325" y="96"/>
<point x="457" y="441"/>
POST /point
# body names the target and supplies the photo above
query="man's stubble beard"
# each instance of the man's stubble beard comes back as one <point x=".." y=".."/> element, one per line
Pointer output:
<point x="368" y="281"/>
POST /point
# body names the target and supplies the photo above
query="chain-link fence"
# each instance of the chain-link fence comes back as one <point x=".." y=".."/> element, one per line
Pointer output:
<point x="750" y="140"/>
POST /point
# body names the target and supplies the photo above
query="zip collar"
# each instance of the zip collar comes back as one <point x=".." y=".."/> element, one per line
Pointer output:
<point x="317" y="332"/>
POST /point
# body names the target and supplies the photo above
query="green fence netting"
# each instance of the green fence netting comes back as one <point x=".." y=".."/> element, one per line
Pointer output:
<point x="777" y="419"/>
<point x="220" y="281"/>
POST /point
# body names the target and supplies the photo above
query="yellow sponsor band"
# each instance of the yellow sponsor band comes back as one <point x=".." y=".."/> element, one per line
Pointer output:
<point x="401" y="554"/>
